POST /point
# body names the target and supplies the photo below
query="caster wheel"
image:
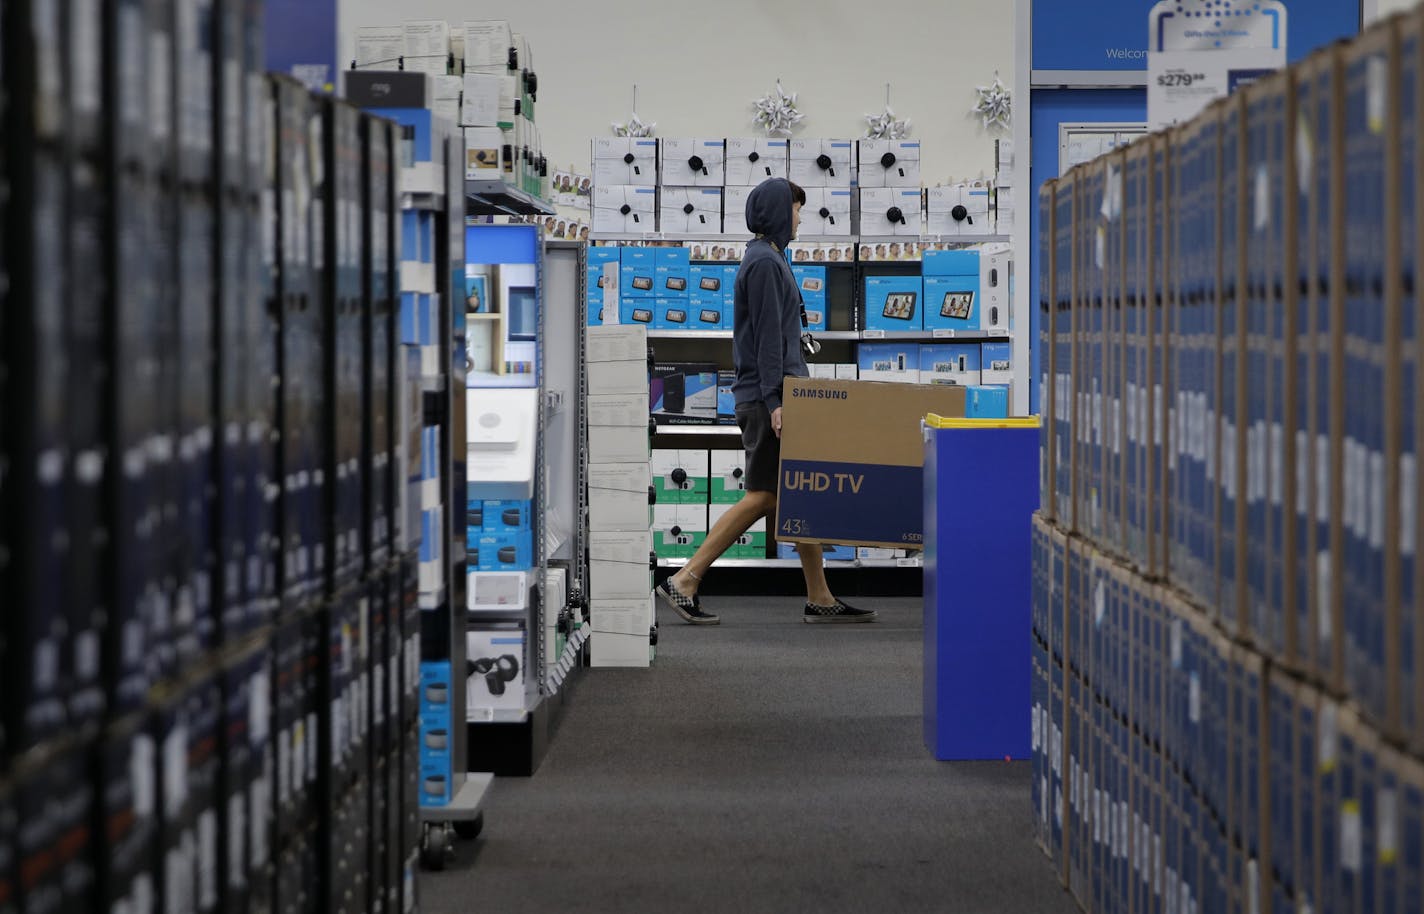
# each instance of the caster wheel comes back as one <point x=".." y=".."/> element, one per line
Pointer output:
<point x="433" y="847"/>
<point x="470" y="829"/>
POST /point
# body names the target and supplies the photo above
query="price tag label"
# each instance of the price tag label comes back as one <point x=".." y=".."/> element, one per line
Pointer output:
<point x="873" y="334"/>
<point x="943" y="333"/>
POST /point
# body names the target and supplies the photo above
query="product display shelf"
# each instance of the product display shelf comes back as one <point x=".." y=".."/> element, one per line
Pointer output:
<point x="496" y="198"/>
<point x="716" y="431"/>
<point x="930" y="335"/>
<point x="727" y="335"/>
<point x="989" y="238"/>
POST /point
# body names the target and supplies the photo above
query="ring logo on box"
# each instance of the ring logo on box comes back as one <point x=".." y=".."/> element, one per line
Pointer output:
<point x="821" y="394"/>
<point x="803" y="481"/>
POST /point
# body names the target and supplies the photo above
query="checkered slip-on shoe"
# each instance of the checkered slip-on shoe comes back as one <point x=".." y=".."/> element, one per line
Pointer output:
<point x="690" y="608"/>
<point x="837" y="612"/>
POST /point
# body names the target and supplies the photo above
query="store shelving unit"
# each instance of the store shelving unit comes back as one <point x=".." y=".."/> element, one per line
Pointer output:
<point x="496" y="198"/>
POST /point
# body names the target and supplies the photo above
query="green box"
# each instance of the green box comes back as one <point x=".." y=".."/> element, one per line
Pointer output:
<point x="680" y="476"/>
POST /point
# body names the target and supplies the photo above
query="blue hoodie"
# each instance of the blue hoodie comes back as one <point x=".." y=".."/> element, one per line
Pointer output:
<point x="766" y="310"/>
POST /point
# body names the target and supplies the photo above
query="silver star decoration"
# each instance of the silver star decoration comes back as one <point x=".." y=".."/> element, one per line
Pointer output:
<point x="776" y="112"/>
<point x="885" y="126"/>
<point x="993" y="105"/>
<point x="634" y="127"/>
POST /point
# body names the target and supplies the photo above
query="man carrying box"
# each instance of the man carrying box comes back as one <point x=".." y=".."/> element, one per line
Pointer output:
<point x="767" y="323"/>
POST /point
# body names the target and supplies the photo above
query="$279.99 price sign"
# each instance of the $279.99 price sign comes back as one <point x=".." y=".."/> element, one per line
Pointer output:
<point x="1182" y="78"/>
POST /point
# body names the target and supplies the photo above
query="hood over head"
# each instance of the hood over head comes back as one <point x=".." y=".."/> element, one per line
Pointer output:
<point x="769" y="211"/>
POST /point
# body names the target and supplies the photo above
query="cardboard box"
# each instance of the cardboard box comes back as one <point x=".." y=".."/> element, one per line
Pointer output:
<point x="862" y="489"/>
<point x="625" y="161"/>
<point x="889" y="163"/>
<point x="893" y="303"/>
<point x="620" y="565"/>
<point x="950" y="363"/>
<point x="890" y="211"/>
<point x="820" y="163"/>
<point x="679" y="529"/>
<point x="959" y="209"/>
<point x="683" y="393"/>
<point x="619" y="496"/>
<point x="812" y="283"/>
<point x="750" y="545"/>
<point x="827" y="212"/>
<point x="624" y="209"/>
<point x="996" y="363"/>
<point x="754" y="160"/>
<point x="895" y="362"/>
<point x="692" y="162"/>
<point x="499" y="591"/>
<point x="496" y="665"/>
<point x="680" y="476"/>
<point x="691" y="210"/>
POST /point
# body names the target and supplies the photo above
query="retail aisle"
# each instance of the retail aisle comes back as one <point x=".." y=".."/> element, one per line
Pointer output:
<point x="763" y="765"/>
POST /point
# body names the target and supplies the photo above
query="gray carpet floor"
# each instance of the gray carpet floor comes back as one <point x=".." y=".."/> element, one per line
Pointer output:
<point x="763" y="765"/>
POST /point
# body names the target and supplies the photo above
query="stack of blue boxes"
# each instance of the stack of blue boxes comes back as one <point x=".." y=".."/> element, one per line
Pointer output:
<point x="436" y="736"/>
<point x="499" y="535"/>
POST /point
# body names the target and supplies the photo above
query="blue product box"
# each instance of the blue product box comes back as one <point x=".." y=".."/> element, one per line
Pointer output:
<point x="417" y="237"/>
<point x="638" y="311"/>
<point x="986" y="403"/>
<point x="672" y="271"/>
<point x="638" y="273"/>
<point x="812" y="283"/>
<point x="673" y="314"/>
<point x="708" y="315"/>
<point x="889" y="362"/>
<point x="893" y="302"/>
<point x="418" y="149"/>
<point x="505" y="516"/>
<point x="512" y="551"/>
<point x="726" y="402"/>
<point x="593" y="285"/>
<point x="435" y="780"/>
<point x="951" y="302"/>
<point x="706" y="285"/>
<point x="950" y="363"/>
<point x="996" y="362"/>
<point x="828" y="553"/>
<point x="950" y="262"/>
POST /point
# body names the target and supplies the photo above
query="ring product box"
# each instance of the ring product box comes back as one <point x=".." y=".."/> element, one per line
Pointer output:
<point x="890" y="211"/>
<point x="617" y="360"/>
<point x="995" y="274"/>
<point x="996" y="363"/>
<point x="734" y="209"/>
<point x="388" y="88"/>
<point x="619" y="496"/>
<point x="672" y="277"/>
<point x="749" y="545"/>
<point x="726" y="477"/>
<point x="683" y="393"/>
<point x="726" y="400"/>
<point x="950" y="363"/>
<point x="679" y="529"/>
<point x="484" y="154"/>
<point x="895" y="362"/>
<point x="447" y="91"/>
<point x="673" y="314"/>
<point x="753" y="160"/>
<point x="692" y="162"/>
<point x="957" y="209"/>
<point x="893" y="303"/>
<point x="618" y="427"/>
<point x="489" y="46"/>
<point x="501" y="433"/>
<point x="812" y="283"/>
<point x="427" y="45"/>
<point x="638" y="273"/>
<point x="624" y="209"/>
<point x="618" y="565"/>
<point x="889" y="163"/>
<point x="680" y="476"/>
<point x="982" y="402"/>
<point x="820" y="163"/>
<point x="827" y="211"/>
<point x="480" y="101"/>
<point x="498" y="591"/>
<point x="495" y="663"/>
<point x="691" y="210"/>
<point x="625" y="160"/>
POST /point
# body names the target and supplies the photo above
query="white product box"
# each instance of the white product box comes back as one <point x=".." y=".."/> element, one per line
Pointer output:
<point x="751" y="544"/>
<point x="679" y="472"/>
<point x="753" y="160"/>
<point x="726" y="476"/>
<point x="995" y="271"/>
<point x="618" y="496"/>
<point x="1003" y="209"/>
<point x="692" y="162"/>
<point x="691" y="210"/>
<point x="379" y="47"/>
<point x="943" y="204"/>
<point x="498" y="590"/>
<point x="446" y="91"/>
<point x="487" y="43"/>
<point x="484" y="154"/>
<point x="620" y="630"/>
<point x="847" y="371"/>
<point x="609" y="650"/>
<point x="678" y="529"/>
<point x="624" y="209"/>
<point x="890" y="211"/>
<point x="996" y="361"/>
<point x="874" y="553"/>
<point x="734" y="210"/>
<point x="822" y="370"/>
<point x="617" y="411"/>
<point x="497" y="684"/>
<point x="620" y="160"/>
<point x="619" y="565"/>
<point x="617" y="360"/>
<point x="556" y="597"/>
<point x="895" y="362"/>
<point x="427" y="46"/>
<point x="889" y="163"/>
<point x="618" y="445"/>
<point x="827" y="211"/>
<point x="501" y="428"/>
<point x="523" y="53"/>
<point x="480" y="104"/>
<point x="1004" y="174"/>
<point x="820" y="163"/>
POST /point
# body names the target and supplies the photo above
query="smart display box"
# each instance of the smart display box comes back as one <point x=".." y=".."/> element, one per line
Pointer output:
<point x="893" y="303"/>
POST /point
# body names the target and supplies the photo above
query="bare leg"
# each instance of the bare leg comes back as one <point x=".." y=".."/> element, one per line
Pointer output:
<point x="812" y="566"/>
<point x="733" y="524"/>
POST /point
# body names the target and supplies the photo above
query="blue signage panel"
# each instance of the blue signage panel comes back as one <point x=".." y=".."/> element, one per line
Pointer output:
<point x="1112" y="34"/>
<point x="301" y="41"/>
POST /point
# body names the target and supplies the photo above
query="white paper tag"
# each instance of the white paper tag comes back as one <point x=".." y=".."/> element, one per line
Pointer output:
<point x="1100" y="244"/>
<point x="1376" y="501"/>
<point x="1275" y="477"/>
<point x="1176" y="643"/>
<point x="1323" y="622"/>
<point x="1302" y="473"/>
<point x="1304" y="154"/>
<point x="1351" y="836"/>
<point x="1387" y="830"/>
<point x="1100" y="602"/>
<point x="1322" y="479"/>
<point x="1261" y="208"/>
<point x="1377" y="92"/>
<point x="259" y="708"/>
<point x="1253" y="888"/>
<point x="1407" y="516"/>
<point x="141" y="777"/>
<point x="175" y="770"/>
<point x="1194" y="698"/>
<point x="1329" y="749"/>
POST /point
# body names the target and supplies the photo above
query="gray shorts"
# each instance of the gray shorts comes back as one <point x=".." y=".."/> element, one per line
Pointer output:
<point x="762" y="446"/>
